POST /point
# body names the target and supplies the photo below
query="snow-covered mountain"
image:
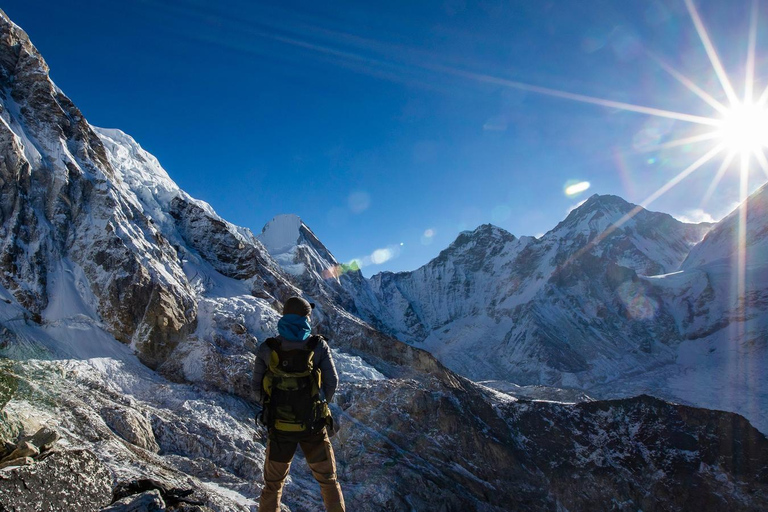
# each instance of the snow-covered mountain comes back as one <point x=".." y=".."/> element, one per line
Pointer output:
<point x="547" y="311"/>
<point x="614" y="301"/>
<point x="130" y="312"/>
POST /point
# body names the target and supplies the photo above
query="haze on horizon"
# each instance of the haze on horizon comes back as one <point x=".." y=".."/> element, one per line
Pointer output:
<point x="392" y="126"/>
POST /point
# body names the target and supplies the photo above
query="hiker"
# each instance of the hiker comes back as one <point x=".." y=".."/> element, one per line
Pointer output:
<point x="295" y="379"/>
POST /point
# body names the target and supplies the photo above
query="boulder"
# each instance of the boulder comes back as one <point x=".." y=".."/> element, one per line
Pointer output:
<point x="171" y="496"/>
<point x="23" y="449"/>
<point x="73" y="480"/>
<point x="44" y="439"/>
<point x="19" y="461"/>
<point x="131" y="426"/>
<point x="149" y="501"/>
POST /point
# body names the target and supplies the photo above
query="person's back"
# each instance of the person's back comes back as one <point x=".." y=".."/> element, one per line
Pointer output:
<point x="294" y="379"/>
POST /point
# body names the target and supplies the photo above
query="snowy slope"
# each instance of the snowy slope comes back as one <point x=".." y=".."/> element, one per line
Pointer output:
<point x="721" y="243"/>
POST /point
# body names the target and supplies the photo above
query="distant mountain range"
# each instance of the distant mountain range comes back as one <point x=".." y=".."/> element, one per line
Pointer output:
<point x="130" y="313"/>
<point x="614" y="301"/>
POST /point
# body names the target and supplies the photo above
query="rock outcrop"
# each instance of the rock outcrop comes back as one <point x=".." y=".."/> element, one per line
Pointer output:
<point x="641" y="453"/>
<point x="66" y="481"/>
<point x="60" y="208"/>
<point x="131" y="426"/>
<point x="27" y="449"/>
<point x="149" y="501"/>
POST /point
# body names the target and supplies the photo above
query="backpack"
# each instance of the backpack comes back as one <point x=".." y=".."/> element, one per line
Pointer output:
<point x="292" y="386"/>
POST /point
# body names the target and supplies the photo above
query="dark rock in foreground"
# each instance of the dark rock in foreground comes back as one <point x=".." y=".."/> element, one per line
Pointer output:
<point x="65" y="481"/>
<point x="149" y="501"/>
<point x="454" y="448"/>
<point x="643" y="454"/>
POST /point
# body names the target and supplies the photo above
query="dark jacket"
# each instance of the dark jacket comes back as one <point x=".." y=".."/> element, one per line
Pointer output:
<point x="322" y="359"/>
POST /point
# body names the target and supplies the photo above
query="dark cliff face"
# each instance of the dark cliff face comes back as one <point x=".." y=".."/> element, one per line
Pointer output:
<point x="631" y="454"/>
<point x="644" y="453"/>
<point x="59" y="202"/>
<point x="238" y="258"/>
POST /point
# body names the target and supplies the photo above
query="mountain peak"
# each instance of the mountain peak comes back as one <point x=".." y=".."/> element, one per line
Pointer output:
<point x="282" y="233"/>
<point x="485" y="234"/>
<point x="484" y="240"/>
<point x="486" y="230"/>
<point x="606" y="202"/>
<point x="595" y="214"/>
<point x="294" y="246"/>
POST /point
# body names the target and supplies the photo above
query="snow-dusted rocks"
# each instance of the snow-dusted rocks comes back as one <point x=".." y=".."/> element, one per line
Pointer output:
<point x="60" y="205"/>
<point x="131" y="426"/>
<point x="67" y="481"/>
<point x="497" y="453"/>
<point x="646" y="447"/>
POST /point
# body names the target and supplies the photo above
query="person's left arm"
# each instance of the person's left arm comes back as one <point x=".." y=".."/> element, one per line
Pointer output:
<point x="259" y="369"/>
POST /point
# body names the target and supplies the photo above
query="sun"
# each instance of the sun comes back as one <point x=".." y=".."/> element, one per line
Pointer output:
<point x="743" y="128"/>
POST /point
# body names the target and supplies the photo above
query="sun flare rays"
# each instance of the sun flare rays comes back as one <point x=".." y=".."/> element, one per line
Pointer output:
<point x="739" y="133"/>
<point x="735" y="131"/>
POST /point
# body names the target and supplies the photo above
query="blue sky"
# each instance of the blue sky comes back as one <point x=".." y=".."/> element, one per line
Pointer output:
<point x="396" y="125"/>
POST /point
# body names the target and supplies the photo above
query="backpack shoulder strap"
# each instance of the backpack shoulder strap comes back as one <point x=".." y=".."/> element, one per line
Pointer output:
<point x="314" y="341"/>
<point x="274" y="344"/>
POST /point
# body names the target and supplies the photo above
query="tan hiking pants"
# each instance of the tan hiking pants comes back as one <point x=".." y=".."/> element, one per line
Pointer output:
<point x="319" y="454"/>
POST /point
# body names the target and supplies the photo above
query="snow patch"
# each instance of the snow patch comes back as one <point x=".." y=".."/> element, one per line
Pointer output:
<point x="354" y="368"/>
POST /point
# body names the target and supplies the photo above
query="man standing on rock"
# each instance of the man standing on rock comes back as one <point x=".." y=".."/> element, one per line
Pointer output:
<point x="294" y="379"/>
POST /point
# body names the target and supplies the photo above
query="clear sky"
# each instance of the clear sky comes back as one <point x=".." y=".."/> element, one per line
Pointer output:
<point x="396" y="125"/>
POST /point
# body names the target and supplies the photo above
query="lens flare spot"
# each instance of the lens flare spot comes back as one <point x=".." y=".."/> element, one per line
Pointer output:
<point x="637" y="303"/>
<point x="332" y="272"/>
<point x="428" y="237"/>
<point x="380" y="256"/>
<point x="359" y="201"/>
<point x="339" y="270"/>
<point x="573" y="188"/>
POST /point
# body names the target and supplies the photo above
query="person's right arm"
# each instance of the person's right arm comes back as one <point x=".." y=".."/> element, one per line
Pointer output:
<point x="330" y="377"/>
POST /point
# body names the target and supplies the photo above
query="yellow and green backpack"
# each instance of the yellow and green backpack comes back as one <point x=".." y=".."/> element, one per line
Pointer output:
<point x="292" y="386"/>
